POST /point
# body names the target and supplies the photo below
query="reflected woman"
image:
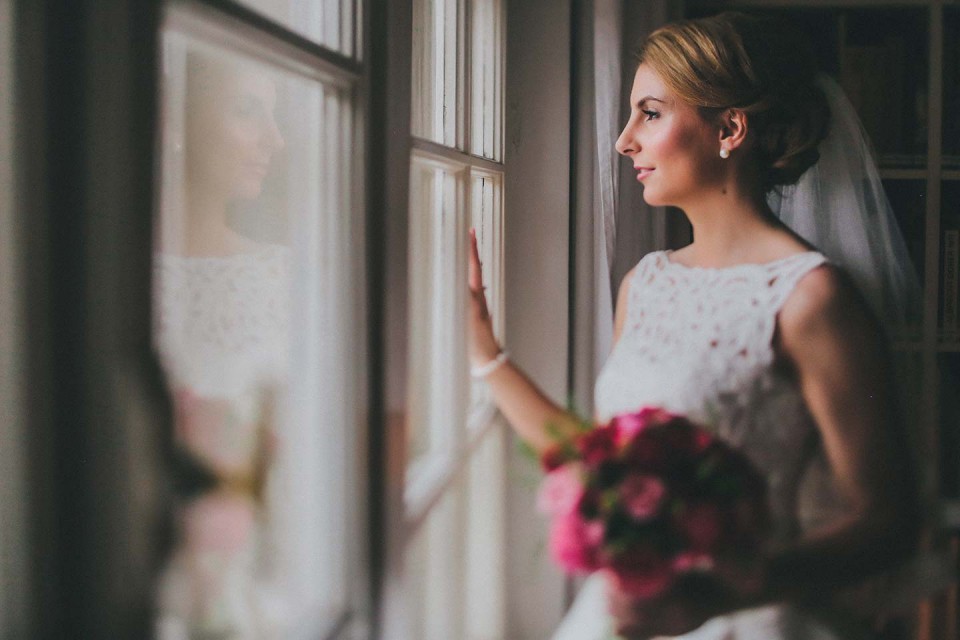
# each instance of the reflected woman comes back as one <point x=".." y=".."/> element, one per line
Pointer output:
<point x="221" y="331"/>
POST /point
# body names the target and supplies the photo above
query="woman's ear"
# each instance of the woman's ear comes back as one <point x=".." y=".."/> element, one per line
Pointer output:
<point x="733" y="128"/>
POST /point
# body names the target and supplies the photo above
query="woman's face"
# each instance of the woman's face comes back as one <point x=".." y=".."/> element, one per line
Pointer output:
<point x="674" y="150"/>
<point x="231" y="132"/>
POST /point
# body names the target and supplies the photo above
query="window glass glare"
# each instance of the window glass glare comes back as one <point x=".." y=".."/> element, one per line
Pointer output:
<point x="256" y="328"/>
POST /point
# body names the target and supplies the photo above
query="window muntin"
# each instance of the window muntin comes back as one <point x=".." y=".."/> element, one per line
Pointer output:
<point x="259" y="336"/>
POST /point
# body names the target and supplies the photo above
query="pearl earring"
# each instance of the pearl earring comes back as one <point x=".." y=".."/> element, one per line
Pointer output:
<point x="724" y="153"/>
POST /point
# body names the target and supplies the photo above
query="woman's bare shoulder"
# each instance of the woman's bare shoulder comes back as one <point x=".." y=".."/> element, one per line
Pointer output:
<point x="825" y="302"/>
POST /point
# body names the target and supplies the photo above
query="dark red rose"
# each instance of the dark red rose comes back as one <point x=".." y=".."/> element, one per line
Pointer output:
<point x="647" y="452"/>
<point x="701" y="524"/>
<point x="683" y="439"/>
<point x="642" y="572"/>
<point x="554" y="457"/>
<point x="597" y="446"/>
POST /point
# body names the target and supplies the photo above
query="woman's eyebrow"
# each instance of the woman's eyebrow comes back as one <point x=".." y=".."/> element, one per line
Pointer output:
<point x="647" y="99"/>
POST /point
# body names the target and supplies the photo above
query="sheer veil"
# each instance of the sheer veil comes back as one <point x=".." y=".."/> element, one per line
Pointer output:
<point x="840" y="207"/>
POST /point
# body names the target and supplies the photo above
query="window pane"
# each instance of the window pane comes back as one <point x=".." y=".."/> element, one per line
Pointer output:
<point x="331" y="23"/>
<point x="486" y="78"/>
<point x="457" y="558"/>
<point x="437" y="70"/>
<point x="437" y="256"/>
<point x="258" y="334"/>
<point x="432" y="582"/>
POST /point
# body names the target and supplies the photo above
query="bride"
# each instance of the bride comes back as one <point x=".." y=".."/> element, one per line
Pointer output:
<point x="749" y="329"/>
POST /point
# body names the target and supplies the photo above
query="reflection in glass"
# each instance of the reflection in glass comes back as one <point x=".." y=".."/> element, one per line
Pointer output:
<point x="251" y="251"/>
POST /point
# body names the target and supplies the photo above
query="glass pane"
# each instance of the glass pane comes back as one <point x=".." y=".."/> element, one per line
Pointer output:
<point x="437" y="239"/>
<point x="487" y="219"/>
<point x="331" y="23"/>
<point x="455" y="563"/>
<point x="437" y="74"/>
<point x="486" y="78"/>
<point x="485" y="556"/>
<point x="433" y="588"/>
<point x="258" y="336"/>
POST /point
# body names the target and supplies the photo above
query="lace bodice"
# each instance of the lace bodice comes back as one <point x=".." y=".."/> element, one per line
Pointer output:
<point x="222" y="322"/>
<point x="698" y="341"/>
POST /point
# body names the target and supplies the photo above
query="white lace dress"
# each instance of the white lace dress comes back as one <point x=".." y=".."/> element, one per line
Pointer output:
<point x="698" y="341"/>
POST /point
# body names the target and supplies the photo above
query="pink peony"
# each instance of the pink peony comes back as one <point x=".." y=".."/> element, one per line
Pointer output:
<point x="628" y="425"/>
<point x="642" y="494"/>
<point x="575" y="543"/>
<point x="560" y="491"/>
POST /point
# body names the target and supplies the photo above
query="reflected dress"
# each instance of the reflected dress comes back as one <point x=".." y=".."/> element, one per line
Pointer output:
<point x="699" y="341"/>
<point x="222" y="334"/>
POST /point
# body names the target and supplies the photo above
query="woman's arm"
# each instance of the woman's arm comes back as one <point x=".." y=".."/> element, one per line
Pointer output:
<point x="535" y="418"/>
<point x="844" y="369"/>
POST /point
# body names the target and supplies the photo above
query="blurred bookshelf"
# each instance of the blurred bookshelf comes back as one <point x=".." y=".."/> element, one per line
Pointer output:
<point x="899" y="63"/>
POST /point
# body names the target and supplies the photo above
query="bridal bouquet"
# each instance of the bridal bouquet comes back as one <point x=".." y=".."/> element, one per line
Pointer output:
<point x="652" y="498"/>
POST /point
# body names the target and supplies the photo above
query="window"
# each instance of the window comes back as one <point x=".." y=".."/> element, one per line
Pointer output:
<point x="259" y="252"/>
<point x="455" y="463"/>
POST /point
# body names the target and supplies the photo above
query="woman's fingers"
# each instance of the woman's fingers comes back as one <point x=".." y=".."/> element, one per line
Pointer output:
<point x="475" y="270"/>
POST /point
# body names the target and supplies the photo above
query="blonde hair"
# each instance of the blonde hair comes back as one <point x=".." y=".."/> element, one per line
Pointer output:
<point x="757" y="65"/>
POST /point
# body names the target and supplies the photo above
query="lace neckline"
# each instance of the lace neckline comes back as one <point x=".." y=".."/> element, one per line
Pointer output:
<point x="733" y="267"/>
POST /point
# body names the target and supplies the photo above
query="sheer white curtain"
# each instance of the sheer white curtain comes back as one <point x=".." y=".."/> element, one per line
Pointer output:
<point x="625" y="227"/>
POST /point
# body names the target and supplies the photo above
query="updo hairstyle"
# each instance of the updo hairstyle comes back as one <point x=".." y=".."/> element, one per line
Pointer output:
<point x="758" y="65"/>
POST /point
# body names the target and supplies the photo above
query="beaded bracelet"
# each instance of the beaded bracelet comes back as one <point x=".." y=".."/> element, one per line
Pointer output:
<point x="486" y="369"/>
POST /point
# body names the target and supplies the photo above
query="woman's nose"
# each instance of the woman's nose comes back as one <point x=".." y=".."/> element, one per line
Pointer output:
<point x="625" y="143"/>
<point x="272" y="137"/>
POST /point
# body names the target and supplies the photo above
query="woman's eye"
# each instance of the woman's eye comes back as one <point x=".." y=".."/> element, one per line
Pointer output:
<point x="651" y="115"/>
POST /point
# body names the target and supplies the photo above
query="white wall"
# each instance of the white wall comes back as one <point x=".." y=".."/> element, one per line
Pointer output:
<point x="536" y="239"/>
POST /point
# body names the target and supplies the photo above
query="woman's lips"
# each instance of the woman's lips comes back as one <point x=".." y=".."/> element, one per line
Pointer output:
<point x="643" y="172"/>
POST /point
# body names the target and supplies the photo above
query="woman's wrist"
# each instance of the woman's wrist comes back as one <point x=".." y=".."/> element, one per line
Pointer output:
<point x="491" y="364"/>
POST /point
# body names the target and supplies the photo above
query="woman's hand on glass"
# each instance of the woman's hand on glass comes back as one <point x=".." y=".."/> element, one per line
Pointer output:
<point x="483" y="346"/>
